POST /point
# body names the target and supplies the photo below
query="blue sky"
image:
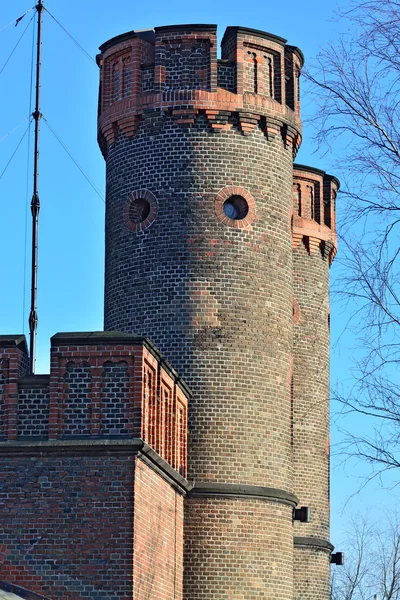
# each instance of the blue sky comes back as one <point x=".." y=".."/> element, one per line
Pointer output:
<point x="72" y="213"/>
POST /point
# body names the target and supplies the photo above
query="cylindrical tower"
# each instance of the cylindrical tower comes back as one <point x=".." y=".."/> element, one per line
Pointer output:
<point x="314" y="247"/>
<point x="199" y="258"/>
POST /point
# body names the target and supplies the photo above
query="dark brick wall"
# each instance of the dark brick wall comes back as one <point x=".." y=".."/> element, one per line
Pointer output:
<point x="87" y="527"/>
<point x="67" y="526"/>
<point x="227" y="76"/>
<point x="148" y="78"/>
<point x="33" y="412"/>
<point x="311" y="389"/>
<point x="217" y="300"/>
<point x="187" y="65"/>
<point x="158" y="541"/>
<point x="71" y="509"/>
<point x="115" y="390"/>
<point x="76" y="406"/>
<point x="2" y="408"/>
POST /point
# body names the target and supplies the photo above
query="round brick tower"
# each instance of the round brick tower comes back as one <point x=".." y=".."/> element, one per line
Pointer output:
<point x="199" y="258"/>
<point x="314" y="247"/>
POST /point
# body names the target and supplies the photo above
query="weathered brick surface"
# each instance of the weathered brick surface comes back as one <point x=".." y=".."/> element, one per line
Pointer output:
<point x="158" y="539"/>
<point x="213" y="293"/>
<point x="33" y="411"/>
<point x="90" y="527"/>
<point x="311" y="574"/>
<point x="194" y="286"/>
<point x="227" y="75"/>
<point x="77" y="401"/>
<point x="237" y="301"/>
<point x="311" y="391"/>
<point x="67" y="526"/>
<point x="14" y="364"/>
<point x="115" y="387"/>
<point x="248" y="547"/>
<point x="3" y="432"/>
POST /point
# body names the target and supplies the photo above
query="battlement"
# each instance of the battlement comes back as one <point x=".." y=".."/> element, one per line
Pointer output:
<point x="175" y="70"/>
<point x="101" y="385"/>
<point x="314" y="210"/>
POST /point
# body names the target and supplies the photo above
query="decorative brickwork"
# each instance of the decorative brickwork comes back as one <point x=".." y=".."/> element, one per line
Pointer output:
<point x="140" y="210"/>
<point x="314" y="220"/>
<point x="217" y="299"/>
<point x="232" y="193"/>
<point x="14" y="364"/>
<point x="176" y="68"/>
<point x="74" y="482"/>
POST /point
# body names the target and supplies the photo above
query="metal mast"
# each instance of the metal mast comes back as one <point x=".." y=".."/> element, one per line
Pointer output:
<point x="35" y="203"/>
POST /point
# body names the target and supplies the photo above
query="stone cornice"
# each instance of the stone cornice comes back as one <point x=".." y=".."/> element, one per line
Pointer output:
<point x="311" y="542"/>
<point x="232" y="490"/>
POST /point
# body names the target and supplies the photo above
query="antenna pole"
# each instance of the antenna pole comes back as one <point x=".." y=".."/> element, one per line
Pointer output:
<point x="35" y="203"/>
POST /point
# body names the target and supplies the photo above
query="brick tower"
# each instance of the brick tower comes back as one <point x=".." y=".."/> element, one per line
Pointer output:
<point x="218" y="250"/>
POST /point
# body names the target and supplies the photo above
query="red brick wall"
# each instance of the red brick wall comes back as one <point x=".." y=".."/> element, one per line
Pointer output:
<point x="158" y="538"/>
<point x="67" y="525"/>
<point x="68" y="494"/>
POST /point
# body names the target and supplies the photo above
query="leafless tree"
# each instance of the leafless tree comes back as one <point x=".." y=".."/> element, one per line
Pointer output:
<point x="357" y="84"/>
<point x="372" y="562"/>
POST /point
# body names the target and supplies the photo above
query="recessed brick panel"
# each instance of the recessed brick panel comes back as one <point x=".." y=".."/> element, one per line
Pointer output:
<point x="33" y="412"/>
<point x="76" y="406"/>
<point x="115" y="392"/>
<point x="3" y="424"/>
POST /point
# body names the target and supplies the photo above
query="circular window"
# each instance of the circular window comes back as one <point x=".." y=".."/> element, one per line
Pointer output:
<point x="235" y="207"/>
<point x="140" y="210"/>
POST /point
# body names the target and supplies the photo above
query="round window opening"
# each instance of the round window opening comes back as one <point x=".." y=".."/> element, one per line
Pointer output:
<point x="236" y="208"/>
<point x="139" y="210"/>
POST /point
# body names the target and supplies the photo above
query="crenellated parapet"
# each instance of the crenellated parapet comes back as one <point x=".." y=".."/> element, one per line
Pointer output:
<point x="101" y="386"/>
<point x="314" y="210"/>
<point x="174" y="71"/>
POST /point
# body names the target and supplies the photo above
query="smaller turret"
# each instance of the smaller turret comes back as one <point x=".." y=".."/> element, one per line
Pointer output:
<point x="314" y="210"/>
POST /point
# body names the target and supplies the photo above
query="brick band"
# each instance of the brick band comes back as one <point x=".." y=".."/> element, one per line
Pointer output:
<point x="315" y="542"/>
<point x="229" y="490"/>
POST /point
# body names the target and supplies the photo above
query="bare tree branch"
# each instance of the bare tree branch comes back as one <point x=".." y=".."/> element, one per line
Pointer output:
<point x="357" y="84"/>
